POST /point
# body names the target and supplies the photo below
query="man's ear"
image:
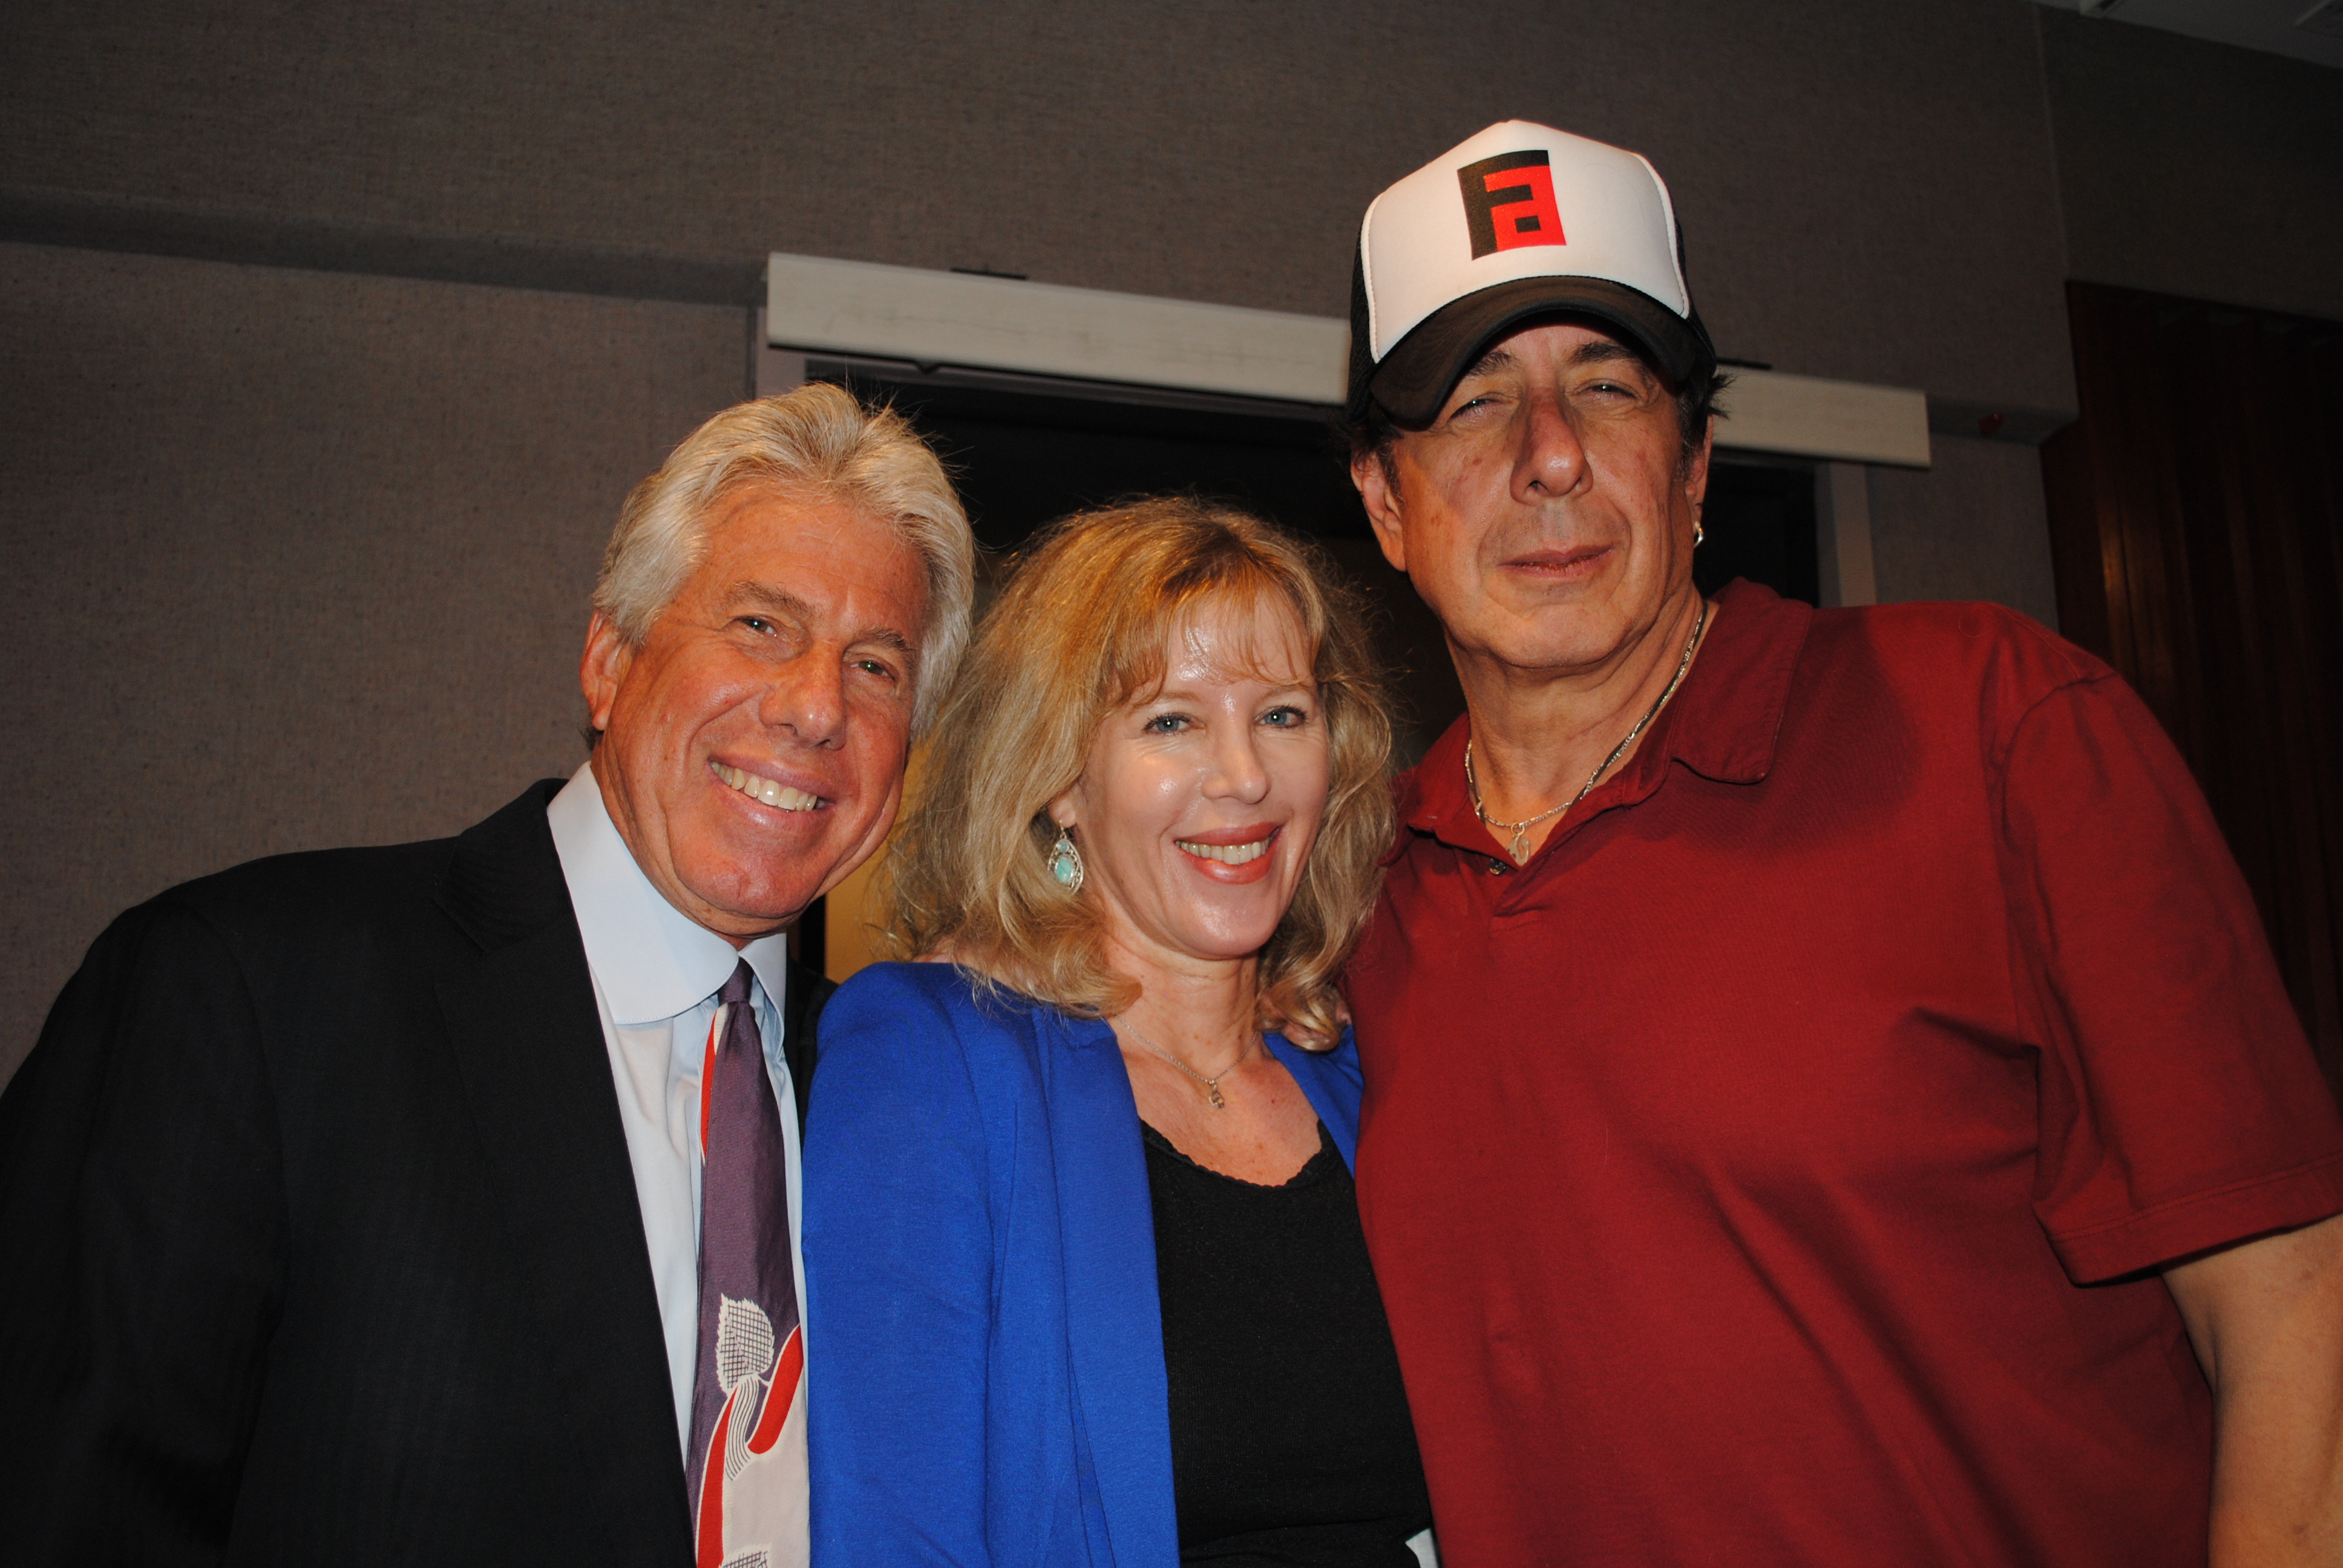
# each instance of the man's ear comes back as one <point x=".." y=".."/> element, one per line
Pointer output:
<point x="1370" y="472"/>
<point x="602" y="668"/>
<point x="1696" y="469"/>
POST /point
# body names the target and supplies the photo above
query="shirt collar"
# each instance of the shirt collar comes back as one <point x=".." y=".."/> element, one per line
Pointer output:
<point x="652" y="961"/>
<point x="1723" y="724"/>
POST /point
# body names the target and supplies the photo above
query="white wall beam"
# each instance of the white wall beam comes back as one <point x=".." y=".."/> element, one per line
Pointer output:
<point x="1842" y="421"/>
<point x="1049" y="329"/>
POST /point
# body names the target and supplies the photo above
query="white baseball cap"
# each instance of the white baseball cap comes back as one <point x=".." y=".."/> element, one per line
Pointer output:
<point x="1522" y="220"/>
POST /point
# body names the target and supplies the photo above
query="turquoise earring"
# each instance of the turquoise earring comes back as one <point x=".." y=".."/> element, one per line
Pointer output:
<point x="1066" y="862"/>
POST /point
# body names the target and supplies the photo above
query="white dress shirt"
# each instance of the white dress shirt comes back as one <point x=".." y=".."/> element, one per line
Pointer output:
<point x="655" y="976"/>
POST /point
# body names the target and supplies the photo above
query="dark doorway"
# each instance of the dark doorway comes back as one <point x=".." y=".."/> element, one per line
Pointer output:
<point x="1024" y="452"/>
<point x="1760" y="520"/>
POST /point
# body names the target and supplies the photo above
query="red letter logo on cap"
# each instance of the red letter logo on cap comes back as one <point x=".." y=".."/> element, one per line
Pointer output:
<point x="1509" y="203"/>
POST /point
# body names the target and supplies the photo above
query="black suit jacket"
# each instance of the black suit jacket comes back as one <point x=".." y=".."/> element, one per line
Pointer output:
<point x="318" y="1239"/>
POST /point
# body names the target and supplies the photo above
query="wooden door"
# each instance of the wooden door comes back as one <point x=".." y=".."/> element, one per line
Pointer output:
<point x="2197" y="531"/>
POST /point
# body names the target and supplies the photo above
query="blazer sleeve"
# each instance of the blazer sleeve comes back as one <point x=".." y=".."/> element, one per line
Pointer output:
<point x="143" y="1222"/>
<point x="899" y="1226"/>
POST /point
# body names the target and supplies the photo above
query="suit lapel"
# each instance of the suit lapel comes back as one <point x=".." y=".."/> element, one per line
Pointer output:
<point x="528" y="1043"/>
<point x="1114" y="1321"/>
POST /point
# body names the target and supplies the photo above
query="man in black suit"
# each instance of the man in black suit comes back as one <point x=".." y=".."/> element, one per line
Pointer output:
<point x="435" y="1203"/>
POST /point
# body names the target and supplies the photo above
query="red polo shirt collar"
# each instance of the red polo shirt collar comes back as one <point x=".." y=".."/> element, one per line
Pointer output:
<point x="1722" y="724"/>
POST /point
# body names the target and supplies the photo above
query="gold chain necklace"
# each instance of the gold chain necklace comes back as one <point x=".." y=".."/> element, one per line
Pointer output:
<point x="1520" y="846"/>
<point x="1213" y="1084"/>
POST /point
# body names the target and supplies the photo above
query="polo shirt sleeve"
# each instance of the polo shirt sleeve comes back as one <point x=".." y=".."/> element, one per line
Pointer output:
<point x="2180" y="1107"/>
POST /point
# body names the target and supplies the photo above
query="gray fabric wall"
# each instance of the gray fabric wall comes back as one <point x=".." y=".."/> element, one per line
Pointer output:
<point x="302" y="549"/>
<point x="1973" y="526"/>
<point x="296" y="560"/>
<point x="1856" y="176"/>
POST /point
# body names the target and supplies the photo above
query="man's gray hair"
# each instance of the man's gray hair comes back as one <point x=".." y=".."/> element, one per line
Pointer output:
<point x="817" y="441"/>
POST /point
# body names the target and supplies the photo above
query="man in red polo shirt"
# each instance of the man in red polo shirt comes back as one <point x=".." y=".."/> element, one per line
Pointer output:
<point x="1828" y="1095"/>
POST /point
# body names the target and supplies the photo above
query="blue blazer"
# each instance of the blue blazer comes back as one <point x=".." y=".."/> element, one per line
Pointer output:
<point x="985" y="1348"/>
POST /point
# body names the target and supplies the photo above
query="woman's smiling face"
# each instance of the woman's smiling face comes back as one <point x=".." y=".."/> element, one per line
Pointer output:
<point x="1199" y="804"/>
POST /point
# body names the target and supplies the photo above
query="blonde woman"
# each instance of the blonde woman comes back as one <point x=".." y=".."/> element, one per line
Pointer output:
<point x="1085" y="1277"/>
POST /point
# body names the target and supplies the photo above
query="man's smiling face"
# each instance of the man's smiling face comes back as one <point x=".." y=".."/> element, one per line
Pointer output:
<point x="1546" y="514"/>
<point x="753" y="743"/>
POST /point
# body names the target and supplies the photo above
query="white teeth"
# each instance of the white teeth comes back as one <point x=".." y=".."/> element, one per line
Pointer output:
<point x="1227" y="854"/>
<point x="771" y="792"/>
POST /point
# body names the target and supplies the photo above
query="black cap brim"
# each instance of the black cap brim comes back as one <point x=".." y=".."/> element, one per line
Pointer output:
<point x="1422" y="368"/>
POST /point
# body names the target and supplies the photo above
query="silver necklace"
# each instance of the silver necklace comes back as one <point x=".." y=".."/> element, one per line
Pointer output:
<point x="1213" y="1084"/>
<point x="1520" y="847"/>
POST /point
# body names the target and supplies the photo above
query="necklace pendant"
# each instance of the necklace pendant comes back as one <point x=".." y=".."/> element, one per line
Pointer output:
<point x="1212" y="1093"/>
<point x="1521" y="845"/>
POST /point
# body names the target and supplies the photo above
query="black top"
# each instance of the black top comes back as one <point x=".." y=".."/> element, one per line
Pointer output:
<point x="1291" y="1443"/>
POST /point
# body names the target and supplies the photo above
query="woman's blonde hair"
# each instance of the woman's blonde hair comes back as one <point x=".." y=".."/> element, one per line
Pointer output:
<point x="1081" y="630"/>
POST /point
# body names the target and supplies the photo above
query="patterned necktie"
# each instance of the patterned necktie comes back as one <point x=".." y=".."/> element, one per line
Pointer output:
<point x="746" y="1469"/>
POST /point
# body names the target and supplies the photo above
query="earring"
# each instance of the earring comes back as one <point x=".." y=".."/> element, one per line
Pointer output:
<point x="1699" y="534"/>
<point x="1066" y="862"/>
